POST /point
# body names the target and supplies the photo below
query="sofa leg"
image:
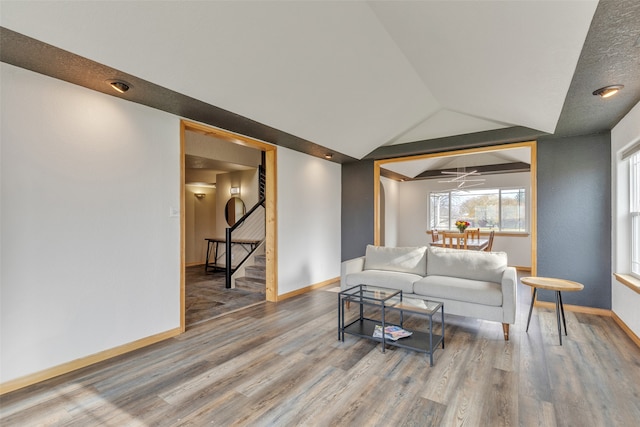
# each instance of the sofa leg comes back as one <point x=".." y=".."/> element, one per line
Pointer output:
<point x="505" y="330"/>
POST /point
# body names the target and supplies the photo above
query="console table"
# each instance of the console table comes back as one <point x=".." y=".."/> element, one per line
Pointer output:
<point x="212" y="245"/>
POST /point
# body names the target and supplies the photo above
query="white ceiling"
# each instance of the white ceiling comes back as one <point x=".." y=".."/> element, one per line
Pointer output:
<point x="413" y="168"/>
<point x="207" y="156"/>
<point x="350" y="76"/>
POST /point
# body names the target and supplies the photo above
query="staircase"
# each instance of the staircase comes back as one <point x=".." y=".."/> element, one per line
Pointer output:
<point x="254" y="230"/>
<point x="255" y="278"/>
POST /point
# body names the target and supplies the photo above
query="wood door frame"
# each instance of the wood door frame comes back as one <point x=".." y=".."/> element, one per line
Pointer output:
<point x="533" y="225"/>
<point x="271" y="252"/>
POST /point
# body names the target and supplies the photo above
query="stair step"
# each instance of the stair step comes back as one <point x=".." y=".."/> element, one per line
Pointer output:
<point x="260" y="260"/>
<point x="251" y="280"/>
<point x="252" y="284"/>
<point x="256" y="272"/>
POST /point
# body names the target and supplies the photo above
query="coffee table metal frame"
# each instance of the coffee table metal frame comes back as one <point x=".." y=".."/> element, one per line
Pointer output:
<point x="390" y="300"/>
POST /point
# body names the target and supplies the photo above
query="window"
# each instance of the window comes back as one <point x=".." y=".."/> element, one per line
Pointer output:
<point x="498" y="209"/>
<point x="634" y="212"/>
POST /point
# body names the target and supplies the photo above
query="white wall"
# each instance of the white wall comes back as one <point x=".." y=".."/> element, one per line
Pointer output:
<point x="247" y="180"/>
<point x="389" y="235"/>
<point x="412" y="215"/>
<point x="199" y="222"/>
<point x="90" y="255"/>
<point x="309" y="229"/>
<point x="624" y="301"/>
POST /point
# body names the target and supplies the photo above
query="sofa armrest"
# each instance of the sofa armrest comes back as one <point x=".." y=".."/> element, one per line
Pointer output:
<point x="509" y="295"/>
<point x="349" y="266"/>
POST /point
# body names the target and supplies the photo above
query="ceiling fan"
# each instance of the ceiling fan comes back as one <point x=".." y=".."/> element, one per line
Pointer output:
<point x="461" y="179"/>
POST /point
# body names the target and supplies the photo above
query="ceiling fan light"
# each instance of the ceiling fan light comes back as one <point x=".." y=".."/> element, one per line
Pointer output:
<point x="608" y="91"/>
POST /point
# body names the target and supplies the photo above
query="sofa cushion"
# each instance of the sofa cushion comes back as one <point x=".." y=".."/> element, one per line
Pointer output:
<point x="475" y="291"/>
<point x="403" y="259"/>
<point x="465" y="264"/>
<point x="384" y="279"/>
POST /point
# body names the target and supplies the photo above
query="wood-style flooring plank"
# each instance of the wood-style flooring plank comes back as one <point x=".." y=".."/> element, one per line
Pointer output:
<point x="467" y="406"/>
<point x="421" y="412"/>
<point x="535" y="413"/>
<point x="281" y="364"/>
<point x="501" y="403"/>
<point x="447" y="372"/>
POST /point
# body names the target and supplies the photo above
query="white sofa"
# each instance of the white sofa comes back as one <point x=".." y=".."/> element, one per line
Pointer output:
<point x="469" y="283"/>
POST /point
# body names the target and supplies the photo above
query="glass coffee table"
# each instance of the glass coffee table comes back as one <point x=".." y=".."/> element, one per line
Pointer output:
<point x="385" y="301"/>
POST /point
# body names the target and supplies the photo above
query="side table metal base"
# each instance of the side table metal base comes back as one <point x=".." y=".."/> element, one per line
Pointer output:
<point x="559" y="311"/>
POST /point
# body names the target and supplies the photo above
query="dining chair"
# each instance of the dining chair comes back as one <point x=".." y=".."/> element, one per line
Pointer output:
<point x="434" y="235"/>
<point x="472" y="233"/>
<point x="454" y="240"/>
<point x="490" y="245"/>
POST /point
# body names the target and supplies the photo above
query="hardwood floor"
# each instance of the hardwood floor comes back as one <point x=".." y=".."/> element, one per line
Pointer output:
<point x="280" y="364"/>
<point x="206" y="296"/>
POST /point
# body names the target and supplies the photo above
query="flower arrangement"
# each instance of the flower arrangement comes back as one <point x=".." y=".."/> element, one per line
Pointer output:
<point x="462" y="225"/>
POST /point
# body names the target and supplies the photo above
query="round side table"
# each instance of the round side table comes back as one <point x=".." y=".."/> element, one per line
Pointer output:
<point x="557" y="285"/>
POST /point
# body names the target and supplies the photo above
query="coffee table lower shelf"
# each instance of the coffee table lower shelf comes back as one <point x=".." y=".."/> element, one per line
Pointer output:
<point x="418" y="341"/>
<point x="381" y="302"/>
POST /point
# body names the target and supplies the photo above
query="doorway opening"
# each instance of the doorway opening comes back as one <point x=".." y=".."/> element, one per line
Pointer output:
<point x="420" y="169"/>
<point x="221" y="169"/>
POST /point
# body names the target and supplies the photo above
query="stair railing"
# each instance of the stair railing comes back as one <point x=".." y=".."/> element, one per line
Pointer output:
<point x="228" y="243"/>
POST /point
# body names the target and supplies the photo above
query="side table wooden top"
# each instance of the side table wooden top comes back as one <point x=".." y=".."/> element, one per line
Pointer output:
<point x="552" y="284"/>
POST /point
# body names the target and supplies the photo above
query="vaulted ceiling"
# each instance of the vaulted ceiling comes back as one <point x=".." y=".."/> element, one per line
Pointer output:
<point x="349" y="77"/>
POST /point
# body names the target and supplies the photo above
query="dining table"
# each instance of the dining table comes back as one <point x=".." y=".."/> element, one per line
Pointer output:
<point x="472" y="244"/>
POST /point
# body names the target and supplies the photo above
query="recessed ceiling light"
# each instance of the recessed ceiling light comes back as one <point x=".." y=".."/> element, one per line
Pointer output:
<point x="119" y="85"/>
<point x="607" y="91"/>
<point x="328" y="156"/>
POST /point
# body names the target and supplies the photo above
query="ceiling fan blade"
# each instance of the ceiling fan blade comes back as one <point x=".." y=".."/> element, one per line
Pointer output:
<point x="462" y="175"/>
<point x="471" y="185"/>
<point x="475" y="172"/>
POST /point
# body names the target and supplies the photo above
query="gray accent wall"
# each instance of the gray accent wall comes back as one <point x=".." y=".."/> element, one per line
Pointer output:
<point x="357" y="208"/>
<point x="574" y="216"/>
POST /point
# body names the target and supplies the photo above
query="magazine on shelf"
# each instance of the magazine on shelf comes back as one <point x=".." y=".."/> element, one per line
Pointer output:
<point x="391" y="332"/>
